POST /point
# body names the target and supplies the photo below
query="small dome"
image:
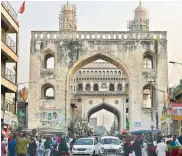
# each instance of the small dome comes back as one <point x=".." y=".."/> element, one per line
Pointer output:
<point x="68" y="7"/>
<point x="140" y="9"/>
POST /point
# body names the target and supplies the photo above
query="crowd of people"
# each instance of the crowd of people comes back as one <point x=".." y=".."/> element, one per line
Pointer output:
<point x="135" y="145"/>
<point x="150" y="146"/>
<point x="25" y="145"/>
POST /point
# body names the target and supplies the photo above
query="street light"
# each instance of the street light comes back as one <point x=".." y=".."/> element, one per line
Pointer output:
<point x="173" y="62"/>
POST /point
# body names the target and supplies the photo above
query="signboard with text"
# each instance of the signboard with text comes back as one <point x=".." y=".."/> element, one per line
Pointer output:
<point x="177" y="109"/>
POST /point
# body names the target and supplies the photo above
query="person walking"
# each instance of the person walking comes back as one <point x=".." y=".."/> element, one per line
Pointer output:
<point x="11" y="145"/>
<point x="127" y="147"/>
<point x="40" y="148"/>
<point x="3" y="146"/>
<point x="21" y="146"/>
<point x="32" y="147"/>
<point x="47" y="147"/>
<point x="63" y="148"/>
<point x="136" y="147"/>
<point x="161" y="148"/>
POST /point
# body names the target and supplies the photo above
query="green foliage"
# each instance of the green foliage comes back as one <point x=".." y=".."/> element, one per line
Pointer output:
<point x="112" y="130"/>
<point x="34" y="132"/>
<point x="19" y="129"/>
<point x="178" y="87"/>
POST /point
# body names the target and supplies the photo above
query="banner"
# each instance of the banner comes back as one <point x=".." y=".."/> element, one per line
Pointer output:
<point x="52" y="119"/>
<point x="177" y="109"/>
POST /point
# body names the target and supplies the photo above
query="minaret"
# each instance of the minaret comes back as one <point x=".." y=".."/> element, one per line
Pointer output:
<point x="140" y="23"/>
<point x="67" y="18"/>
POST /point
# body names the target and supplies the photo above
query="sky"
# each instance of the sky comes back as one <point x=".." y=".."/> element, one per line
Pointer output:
<point x="101" y="15"/>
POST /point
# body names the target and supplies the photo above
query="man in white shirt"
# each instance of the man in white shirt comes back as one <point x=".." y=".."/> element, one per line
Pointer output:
<point x="161" y="148"/>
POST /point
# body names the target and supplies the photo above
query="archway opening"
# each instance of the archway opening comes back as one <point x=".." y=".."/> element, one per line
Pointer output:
<point x="47" y="91"/>
<point x="91" y="75"/>
<point x="49" y="61"/>
<point x="111" y="87"/>
<point x="107" y="116"/>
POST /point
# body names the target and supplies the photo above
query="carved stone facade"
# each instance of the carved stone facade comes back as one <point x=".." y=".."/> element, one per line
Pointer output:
<point x="140" y="55"/>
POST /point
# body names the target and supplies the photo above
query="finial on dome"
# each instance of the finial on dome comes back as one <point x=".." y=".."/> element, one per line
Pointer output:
<point x="67" y="2"/>
<point x="140" y="3"/>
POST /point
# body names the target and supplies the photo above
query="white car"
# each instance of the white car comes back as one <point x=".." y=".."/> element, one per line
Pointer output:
<point x="111" y="146"/>
<point x="86" y="146"/>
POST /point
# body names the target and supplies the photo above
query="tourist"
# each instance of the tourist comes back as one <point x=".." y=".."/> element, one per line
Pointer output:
<point x="40" y="148"/>
<point x="161" y="148"/>
<point x="3" y="146"/>
<point x="144" y="148"/>
<point x="47" y="147"/>
<point x="63" y="148"/>
<point x="136" y="147"/>
<point x="127" y="147"/>
<point x="21" y="146"/>
<point x="32" y="147"/>
<point x="12" y="145"/>
<point x="174" y="142"/>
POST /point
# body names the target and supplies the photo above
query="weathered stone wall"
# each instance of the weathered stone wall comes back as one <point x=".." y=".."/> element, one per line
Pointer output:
<point x="123" y="49"/>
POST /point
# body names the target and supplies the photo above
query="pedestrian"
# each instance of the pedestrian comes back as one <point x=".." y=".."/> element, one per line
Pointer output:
<point x="63" y="148"/>
<point x="150" y="147"/>
<point x="144" y="148"/>
<point x="161" y="148"/>
<point x="3" y="146"/>
<point x="32" y="147"/>
<point x="21" y="146"/>
<point x="47" y="147"/>
<point x="11" y="145"/>
<point x="136" y="147"/>
<point x="40" y="148"/>
<point x="127" y="147"/>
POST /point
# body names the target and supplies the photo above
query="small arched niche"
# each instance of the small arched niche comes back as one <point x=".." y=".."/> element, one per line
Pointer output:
<point x="47" y="91"/>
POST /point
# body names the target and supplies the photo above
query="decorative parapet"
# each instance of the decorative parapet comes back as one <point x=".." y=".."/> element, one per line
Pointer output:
<point x="101" y="35"/>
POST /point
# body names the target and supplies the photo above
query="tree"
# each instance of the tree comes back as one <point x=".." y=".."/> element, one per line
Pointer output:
<point x="114" y="127"/>
<point x="34" y="132"/>
<point x="178" y="87"/>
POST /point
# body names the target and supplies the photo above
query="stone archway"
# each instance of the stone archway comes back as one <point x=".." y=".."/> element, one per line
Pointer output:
<point x="107" y="107"/>
<point x="91" y="57"/>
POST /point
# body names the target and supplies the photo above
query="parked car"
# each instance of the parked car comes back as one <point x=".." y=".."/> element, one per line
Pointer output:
<point x="86" y="146"/>
<point x="110" y="145"/>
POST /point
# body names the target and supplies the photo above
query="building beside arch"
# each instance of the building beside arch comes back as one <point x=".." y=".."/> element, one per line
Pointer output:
<point x="129" y="88"/>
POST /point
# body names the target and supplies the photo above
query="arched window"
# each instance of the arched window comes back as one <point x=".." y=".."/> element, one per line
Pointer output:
<point x="147" y="101"/>
<point x="47" y="91"/>
<point x="96" y="87"/>
<point x="80" y="87"/>
<point x="111" y="87"/>
<point x="119" y="87"/>
<point x="111" y="72"/>
<point x="107" y="72"/>
<point x="119" y="72"/>
<point x="80" y="72"/>
<point x="88" y="87"/>
<point x="103" y="72"/>
<point x="49" y="61"/>
<point x="147" y="62"/>
<point x="115" y="72"/>
<point x="148" y="96"/>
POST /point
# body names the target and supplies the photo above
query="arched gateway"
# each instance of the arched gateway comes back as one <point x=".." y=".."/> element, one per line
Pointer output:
<point x="139" y="53"/>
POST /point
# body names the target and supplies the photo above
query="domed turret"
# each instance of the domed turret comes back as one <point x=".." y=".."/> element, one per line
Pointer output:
<point x="67" y="18"/>
<point x="140" y="21"/>
<point x="140" y="9"/>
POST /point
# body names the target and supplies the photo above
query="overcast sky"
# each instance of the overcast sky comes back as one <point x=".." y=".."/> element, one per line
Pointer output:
<point x="164" y="16"/>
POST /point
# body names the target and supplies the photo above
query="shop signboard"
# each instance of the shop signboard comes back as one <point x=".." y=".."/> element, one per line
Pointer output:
<point x="177" y="111"/>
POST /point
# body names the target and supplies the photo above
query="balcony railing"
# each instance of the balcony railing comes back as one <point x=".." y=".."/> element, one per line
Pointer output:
<point x="10" y="10"/>
<point x="8" y="106"/>
<point x="8" y="41"/>
<point x="8" y="74"/>
<point x="114" y="93"/>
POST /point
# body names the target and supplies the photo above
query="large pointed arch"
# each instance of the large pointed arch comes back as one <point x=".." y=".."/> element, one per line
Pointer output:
<point x="91" y="57"/>
<point x="108" y="108"/>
